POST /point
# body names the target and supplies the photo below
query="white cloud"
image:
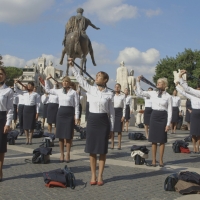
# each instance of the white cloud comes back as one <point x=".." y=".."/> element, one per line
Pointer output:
<point x="151" y="13"/>
<point x="140" y="62"/>
<point x="110" y="11"/>
<point x="22" y="11"/>
<point x="14" y="61"/>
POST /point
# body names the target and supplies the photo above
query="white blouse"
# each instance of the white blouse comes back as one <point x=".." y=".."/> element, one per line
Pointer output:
<point x="6" y="102"/>
<point x="45" y="99"/>
<point x="100" y="101"/>
<point x="161" y="104"/>
<point x="120" y="102"/>
<point x="69" y="99"/>
<point x="188" y="89"/>
<point x="30" y="99"/>
<point x="176" y="101"/>
<point x="195" y="101"/>
<point x="53" y="99"/>
<point x="147" y="100"/>
<point x="21" y="99"/>
<point x="15" y="98"/>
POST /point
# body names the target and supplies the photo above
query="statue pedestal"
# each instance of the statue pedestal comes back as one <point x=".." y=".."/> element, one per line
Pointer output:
<point x="133" y="116"/>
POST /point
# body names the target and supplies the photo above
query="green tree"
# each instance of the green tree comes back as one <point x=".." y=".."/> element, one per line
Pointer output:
<point x="12" y="73"/>
<point x="1" y="63"/>
<point x="189" y="60"/>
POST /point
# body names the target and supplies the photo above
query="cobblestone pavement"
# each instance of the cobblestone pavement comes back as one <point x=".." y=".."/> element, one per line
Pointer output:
<point x="123" y="179"/>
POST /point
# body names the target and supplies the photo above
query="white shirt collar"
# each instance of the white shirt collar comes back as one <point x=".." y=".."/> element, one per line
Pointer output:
<point x="3" y="86"/>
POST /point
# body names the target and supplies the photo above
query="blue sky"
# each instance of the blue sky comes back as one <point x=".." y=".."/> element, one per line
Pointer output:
<point x="140" y="32"/>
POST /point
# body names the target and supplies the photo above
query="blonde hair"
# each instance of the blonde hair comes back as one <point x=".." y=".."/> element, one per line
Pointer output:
<point x="66" y="78"/>
<point x="164" y="80"/>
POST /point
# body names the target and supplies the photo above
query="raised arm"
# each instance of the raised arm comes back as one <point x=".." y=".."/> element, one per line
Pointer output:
<point x="9" y="107"/>
<point x="185" y="86"/>
<point x="38" y="102"/>
<point x="139" y="90"/>
<point x="189" y="96"/>
<point x="93" y="26"/>
<point x="111" y="114"/>
<point x="16" y="89"/>
<point x="124" y="106"/>
<point x="48" y="90"/>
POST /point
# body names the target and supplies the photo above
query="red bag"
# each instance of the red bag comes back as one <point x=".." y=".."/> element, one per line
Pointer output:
<point x="184" y="150"/>
<point x="55" y="184"/>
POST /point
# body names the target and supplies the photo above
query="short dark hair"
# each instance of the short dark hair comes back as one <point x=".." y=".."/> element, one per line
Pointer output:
<point x="105" y="75"/>
<point x="31" y="83"/>
<point x="118" y="84"/>
<point x="150" y="88"/>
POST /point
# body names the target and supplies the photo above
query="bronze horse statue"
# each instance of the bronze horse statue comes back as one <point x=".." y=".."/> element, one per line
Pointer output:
<point x="76" y="42"/>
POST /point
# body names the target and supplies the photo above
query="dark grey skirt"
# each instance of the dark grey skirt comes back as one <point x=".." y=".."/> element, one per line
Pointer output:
<point x="195" y="122"/>
<point x="65" y="122"/>
<point x="147" y="115"/>
<point x="20" y="115"/>
<point x="98" y="129"/>
<point x="80" y="110"/>
<point x="187" y="116"/>
<point x="52" y="110"/>
<point x="158" y="122"/>
<point x="29" y="114"/>
<point x="87" y="111"/>
<point x="44" y="113"/>
<point x="15" y="112"/>
<point x="3" y="137"/>
<point x="118" y="117"/>
<point x="175" y="114"/>
<point x="127" y="113"/>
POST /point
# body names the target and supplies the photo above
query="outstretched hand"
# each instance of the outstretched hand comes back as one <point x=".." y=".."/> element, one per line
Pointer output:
<point x="49" y="77"/>
<point x="139" y="78"/>
<point x="177" y="83"/>
<point x="182" y="72"/>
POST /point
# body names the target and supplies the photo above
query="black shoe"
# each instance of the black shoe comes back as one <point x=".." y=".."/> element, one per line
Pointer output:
<point x="161" y="165"/>
<point x="120" y="148"/>
<point x="150" y="165"/>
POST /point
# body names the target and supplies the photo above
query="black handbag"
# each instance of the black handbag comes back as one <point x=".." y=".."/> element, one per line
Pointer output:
<point x="48" y="143"/>
<point x="170" y="182"/>
<point x="11" y="141"/>
<point x="41" y="155"/>
<point x="136" y="136"/>
<point x="83" y="133"/>
<point x="192" y="177"/>
<point x="139" y="160"/>
<point x="141" y="125"/>
<point x="55" y="175"/>
<point x="38" y="125"/>
<point x="70" y="178"/>
<point x="188" y="138"/>
<point x="38" y="134"/>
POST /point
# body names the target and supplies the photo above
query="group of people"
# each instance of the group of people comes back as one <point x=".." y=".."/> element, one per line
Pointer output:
<point x="107" y="113"/>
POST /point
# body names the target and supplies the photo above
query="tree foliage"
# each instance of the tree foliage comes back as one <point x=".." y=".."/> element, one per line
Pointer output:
<point x="11" y="74"/>
<point x="1" y="62"/>
<point x="189" y="60"/>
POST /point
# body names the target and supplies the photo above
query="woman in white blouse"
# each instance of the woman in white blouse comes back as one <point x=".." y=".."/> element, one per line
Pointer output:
<point x="100" y="122"/>
<point x="195" y="118"/>
<point x="176" y="103"/>
<point x="45" y="102"/>
<point x="30" y="111"/>
<point x="147" y="111"/>
<point x="128" y="111"/>
<point x="6" y="115"/>
<point x="120" y="107"/>
<point x="68" y="106"/>
<point x="160" y="117"/>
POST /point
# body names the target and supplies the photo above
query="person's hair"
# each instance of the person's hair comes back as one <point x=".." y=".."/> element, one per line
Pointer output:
<point x="31" y="83"/>
<point x="3" y="70"/>
<point x="105" y="75"/>
<point x="164" y="80"/>
<point x="73" y="85"/>
<point x="175" y="91"/>
<point x="150" y="88"/>
<point x="118" y="84"/>
<point x="66" y="78"/>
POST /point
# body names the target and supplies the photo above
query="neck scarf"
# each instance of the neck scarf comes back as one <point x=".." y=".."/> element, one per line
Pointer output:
<point x="160" y="93"/>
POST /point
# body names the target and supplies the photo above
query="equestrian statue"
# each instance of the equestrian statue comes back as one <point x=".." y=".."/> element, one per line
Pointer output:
<point x="76" y="42"/>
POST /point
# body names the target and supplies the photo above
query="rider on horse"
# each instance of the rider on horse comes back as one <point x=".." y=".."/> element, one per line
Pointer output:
<point x="78" y="24"/>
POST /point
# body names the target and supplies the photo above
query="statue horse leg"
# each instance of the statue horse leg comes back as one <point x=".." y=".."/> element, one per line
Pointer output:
<point x="62" y="56"/>
<point x="91" y="53"/>
<point x="67" y="71"/>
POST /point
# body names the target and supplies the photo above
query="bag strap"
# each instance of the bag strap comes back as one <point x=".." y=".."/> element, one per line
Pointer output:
<point x="70" y="177"/>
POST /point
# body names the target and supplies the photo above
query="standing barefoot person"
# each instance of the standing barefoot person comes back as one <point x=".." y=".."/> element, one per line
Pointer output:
<point x="100" y="121"/>
<point x="160" y="117"/>
<point x="120" y="107"/>
<point x="6" y="115"/>
<point x="68" y="106"/>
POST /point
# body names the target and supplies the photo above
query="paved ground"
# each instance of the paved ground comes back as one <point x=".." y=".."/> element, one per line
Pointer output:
<point x="123" y="179"/>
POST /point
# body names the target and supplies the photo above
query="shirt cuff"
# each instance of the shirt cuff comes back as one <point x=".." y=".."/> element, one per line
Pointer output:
<point x="181" y="80"/>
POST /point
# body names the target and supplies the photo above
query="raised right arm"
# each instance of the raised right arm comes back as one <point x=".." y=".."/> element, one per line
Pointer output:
<point x="48" y="90"/>
<point x="140" y="92"/>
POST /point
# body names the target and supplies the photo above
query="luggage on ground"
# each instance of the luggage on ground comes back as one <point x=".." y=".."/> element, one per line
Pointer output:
<point x="136" y="136"/>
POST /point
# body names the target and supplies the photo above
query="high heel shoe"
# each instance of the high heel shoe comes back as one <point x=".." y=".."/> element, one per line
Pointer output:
<point x="93" y="182"/>
<point x="100" y="183"/>
<point x="67" y="158"/>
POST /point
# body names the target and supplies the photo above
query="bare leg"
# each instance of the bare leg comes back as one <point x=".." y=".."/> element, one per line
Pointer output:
<point x="72" y="138"/>
<point x="68" y="147"/>
<point x="61" y="144"/>
<point x="175" y="124"/>
<point x="112" y="140"/>
<point x="31" y="136"/>
<point x="102" y="160"/>
<point x="154" y="149"/>
<point x="93" y="164"/>
<point x="1" y="164"/>
<point x="146" y="130"/>
<point x="171" y="125"/>
<point x="55" y="129"/>
<point x="188" y="124"/>
<point x="194" y="140"/>
<point x="162" y="149"/>
<point x="123" y="125"/>
<point x="127" y="123"/>
<point x="119" y="139"/>
<point x="50" y="128"/>
<point x="198" y="143"/>
<point x="27" y="136"/>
